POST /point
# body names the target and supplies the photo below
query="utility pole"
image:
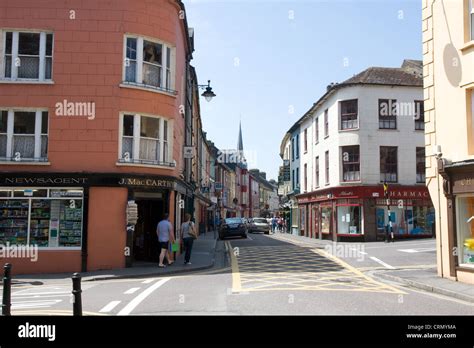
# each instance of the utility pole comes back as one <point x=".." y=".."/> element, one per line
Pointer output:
<point x="387" y="197"/>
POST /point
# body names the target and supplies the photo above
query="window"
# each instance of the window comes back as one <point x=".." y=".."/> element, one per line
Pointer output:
<point x="293" y="149"/>
<point x="326" y="123"/>
<point x="293" y="179"/>
<point x="316" y="126"/>
<point x="349" y="111"/>
<point x="145" y="140"/>
<point x="42" y="217"/>
<point x="305" y="140"/>
<point x="419" y="115"/>
<point x="471" y="19"/>
<point x="298" y="178"/>
<point x="420" y="165"/>
<point x="349" y="218"/>
<point x="317" y="171"/>
<point x="465" y="229"/>
<point x="388" y="164"/>
<point x="387" y="114"/>
<point x="297" y="146"/>
<point x="350" y="163"/>
<point x="23" y="135"/>
<point x="149" y="63"/>
<point x="326" y="162"/>
<point x="27" y="56"/>
<point x="305" y="177"/>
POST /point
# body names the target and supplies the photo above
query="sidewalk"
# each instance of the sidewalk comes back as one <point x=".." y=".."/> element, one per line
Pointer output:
<point x="202" y="257"/>
<point x="423" y="279"/>
<point x="428" y="280"/>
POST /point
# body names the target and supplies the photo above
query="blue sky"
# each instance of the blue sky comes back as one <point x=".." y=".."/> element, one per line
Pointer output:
<point x="270" y="60"/>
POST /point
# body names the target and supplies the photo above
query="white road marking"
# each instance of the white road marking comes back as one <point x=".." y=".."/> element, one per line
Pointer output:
<point x="248" y="237"/>
<point x="131" y="291"/>
<point x="108" y="308"/>
<point x="137" y="300"/>
<point x="148" y="281"/>
<point x="418" y="250"/>
<point x="386" y="265"/>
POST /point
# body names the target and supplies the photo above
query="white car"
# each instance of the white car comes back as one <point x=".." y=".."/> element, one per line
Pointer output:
<point x="259" y="225"/>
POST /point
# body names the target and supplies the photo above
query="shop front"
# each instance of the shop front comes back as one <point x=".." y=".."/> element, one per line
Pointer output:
<point x="358" y="213"/>
<point x="77" y="222"/>
<point x="458" y="188"/>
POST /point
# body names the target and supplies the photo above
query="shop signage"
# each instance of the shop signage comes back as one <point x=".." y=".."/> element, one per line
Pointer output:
<point x="188" y="152"/>
<point x="33" y="181"/>
<point x="463" y="184"/>
<point x="147" y="182"/>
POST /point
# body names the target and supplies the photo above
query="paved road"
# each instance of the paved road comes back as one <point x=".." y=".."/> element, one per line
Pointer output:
<point x="261" y="275"/>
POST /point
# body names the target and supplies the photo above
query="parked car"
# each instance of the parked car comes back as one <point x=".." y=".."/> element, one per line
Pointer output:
<point x="259" y="225"/>
<point x="232" y="227"/>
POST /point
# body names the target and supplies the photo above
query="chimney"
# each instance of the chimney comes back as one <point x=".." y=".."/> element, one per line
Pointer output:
<point x="263" y="175"/>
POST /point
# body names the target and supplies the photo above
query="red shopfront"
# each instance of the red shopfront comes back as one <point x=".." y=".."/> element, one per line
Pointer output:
<point x="360" y="213"/>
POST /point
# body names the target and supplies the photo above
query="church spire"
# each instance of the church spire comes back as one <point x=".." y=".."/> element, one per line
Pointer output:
<point x="240" y="143"/>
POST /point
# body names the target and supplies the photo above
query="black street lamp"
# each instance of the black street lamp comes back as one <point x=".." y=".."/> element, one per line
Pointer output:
<point x="208" y="93"/>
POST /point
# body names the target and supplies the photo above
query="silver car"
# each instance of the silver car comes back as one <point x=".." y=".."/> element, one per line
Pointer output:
<point x="259" y="225"/>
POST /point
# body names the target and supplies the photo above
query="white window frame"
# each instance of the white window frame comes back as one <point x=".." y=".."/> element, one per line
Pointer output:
<point x="10" y="158"/>
<point x="14" y="69"/>
<point x="135" y="156"/>
<point x="139" y="62"/>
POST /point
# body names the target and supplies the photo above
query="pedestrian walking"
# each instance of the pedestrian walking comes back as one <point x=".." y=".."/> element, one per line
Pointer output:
<point x="274" y="224"/>
<point x="188" y="235"/>
<point x="280" y="224"/>
<point x="164" y="230"/>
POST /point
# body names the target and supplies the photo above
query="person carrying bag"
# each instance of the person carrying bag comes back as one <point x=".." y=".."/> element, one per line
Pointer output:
<point x="188" y="235"/>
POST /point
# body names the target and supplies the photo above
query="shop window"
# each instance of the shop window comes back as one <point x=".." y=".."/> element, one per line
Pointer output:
<point x="27" y="56"/>
<point x="349" y="112"/>
<point x="23" y="136"/>
<point x="349" y="220"/>
<point x="419" y="115"/>
<point x="420" y="165"/>
<point x="388" y="164"/>
<point x="36" y="217"/>
<point x="326" y="219"/>
<point x="149" y="63"/>
<point x="387" y="114"/>
<point x="145" y="140"/>
<point x="465" y="229"/>
<point x="409" y="219"/>
<point x="350" y="163"/>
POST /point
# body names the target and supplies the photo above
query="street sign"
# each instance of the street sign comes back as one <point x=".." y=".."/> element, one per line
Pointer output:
<point x="132" y="213"/>
<point x="188" y="152"/>
<point x="218" y="186"/>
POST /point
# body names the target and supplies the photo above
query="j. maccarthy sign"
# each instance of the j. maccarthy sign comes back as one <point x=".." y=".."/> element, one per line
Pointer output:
<point x="147" y="182"/>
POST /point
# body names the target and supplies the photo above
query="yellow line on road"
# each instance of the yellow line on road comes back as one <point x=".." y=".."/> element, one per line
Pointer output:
<point x="236" y="283"/>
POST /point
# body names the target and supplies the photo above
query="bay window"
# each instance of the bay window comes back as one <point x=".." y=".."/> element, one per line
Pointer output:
<point x="148" y="63"/>
<point x="144" y="140"/>
<point x="23" y="135"/>
<point x="27" y="56"/>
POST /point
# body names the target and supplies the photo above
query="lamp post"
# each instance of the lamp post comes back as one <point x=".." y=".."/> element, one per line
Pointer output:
<point x="208" y="93"/>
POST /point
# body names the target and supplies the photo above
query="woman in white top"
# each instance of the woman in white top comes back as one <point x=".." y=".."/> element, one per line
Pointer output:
<point x="188" y="235"/>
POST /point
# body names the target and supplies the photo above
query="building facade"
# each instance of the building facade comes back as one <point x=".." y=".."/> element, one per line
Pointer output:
<point x="448" y="48"/>
<point x="360" y="134"/>
<point x="89" y="121"/>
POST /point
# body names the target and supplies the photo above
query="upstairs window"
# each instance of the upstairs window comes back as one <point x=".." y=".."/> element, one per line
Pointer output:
<point x="420" y="165"/>
<point x="149" y="63"/>
<point x="23" y="135"/>
<point x="305" y="140"/>
<point x="326" y="123"/>
<point x="419" y="115"/>
<point x="145" y="140"/>
<point x="388" y="164"/>
<point x="316" y="126"/>
<point x="349" y="112"/>
<point x="27" y="56"/>
<point x="350" y="163"/>
<point x="388" y="114"/>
